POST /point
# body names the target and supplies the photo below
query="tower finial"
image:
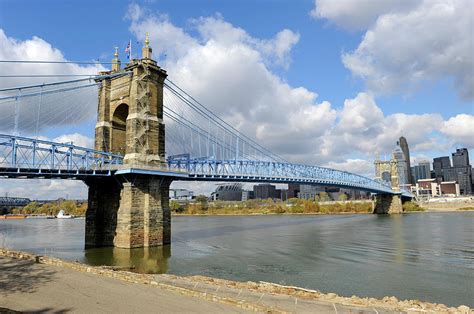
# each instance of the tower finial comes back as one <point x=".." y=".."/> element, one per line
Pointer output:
<point x="146" y="51"/>
<point x="116" y="61"/>
<point x="147" y="40"/>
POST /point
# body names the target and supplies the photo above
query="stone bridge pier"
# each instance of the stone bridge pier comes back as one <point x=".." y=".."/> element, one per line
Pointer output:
<point x="128" y="211"/>
<point x="388" y="204"/>
<point x="131" y="208"/>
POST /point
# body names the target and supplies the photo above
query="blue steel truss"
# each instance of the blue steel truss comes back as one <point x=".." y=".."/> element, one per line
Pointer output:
<point x="13" y="201"/>
<point x="22" y="157"/>
<point x="201" y="169"/>
<point x="26" y="157"/>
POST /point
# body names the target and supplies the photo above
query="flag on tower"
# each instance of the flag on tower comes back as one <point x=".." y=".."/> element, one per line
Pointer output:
<point x="128" y="50"/>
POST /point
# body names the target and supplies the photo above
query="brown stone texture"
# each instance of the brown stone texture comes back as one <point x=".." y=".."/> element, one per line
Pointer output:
<point x="142" y="140"/>
<point x="101" y="215"/>
<point x="143" y="216"/>
<point x="388" y="204"/>
<point x="131" y="211"/>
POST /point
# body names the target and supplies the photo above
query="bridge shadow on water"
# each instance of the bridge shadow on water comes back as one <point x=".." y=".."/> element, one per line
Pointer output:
<point x="140" y="260"/>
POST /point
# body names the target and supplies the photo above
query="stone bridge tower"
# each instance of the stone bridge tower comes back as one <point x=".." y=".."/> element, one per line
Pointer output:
<point x="131" y="209"/>
<point x="388" y="171"/>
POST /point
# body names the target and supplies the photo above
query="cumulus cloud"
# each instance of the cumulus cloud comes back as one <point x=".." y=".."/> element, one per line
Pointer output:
<point x="460" y="129"/>
<point x="358" y="14"/>
<point x="231" y="73"/>
<point x="77" y="139"/>
<point x="361" y="166"/>
<point x="362" y="128"/>
<point x="38" y="113"/>
<point x="408" y="42"/>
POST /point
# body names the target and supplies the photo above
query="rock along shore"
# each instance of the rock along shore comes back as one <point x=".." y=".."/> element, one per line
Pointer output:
<point x="208" y="289"/>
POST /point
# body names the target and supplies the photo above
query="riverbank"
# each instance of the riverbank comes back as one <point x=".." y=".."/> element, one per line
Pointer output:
<point x="269" y="206"/>
<point x="39" y="283"/>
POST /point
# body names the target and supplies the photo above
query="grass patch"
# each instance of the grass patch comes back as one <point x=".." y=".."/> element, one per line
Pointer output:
<point x="466" y="208"/>
<point x="412" y="207"/>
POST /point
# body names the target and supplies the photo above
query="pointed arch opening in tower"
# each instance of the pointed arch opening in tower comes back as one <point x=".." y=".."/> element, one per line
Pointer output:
<point x="119" y="129"/>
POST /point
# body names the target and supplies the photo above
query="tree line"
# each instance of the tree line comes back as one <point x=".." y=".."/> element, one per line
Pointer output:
<point x="52" y="208"/>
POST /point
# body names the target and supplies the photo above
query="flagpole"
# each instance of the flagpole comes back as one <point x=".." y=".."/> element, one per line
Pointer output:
<point x="131" y="55"/>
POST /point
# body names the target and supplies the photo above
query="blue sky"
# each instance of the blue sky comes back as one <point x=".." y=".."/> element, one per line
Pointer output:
<point x="88" y="30"/>
<point x="378" y="71"/>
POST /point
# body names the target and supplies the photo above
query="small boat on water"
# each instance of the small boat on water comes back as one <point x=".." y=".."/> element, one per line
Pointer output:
<point x="63" y="215"/>
<point x="12" y="216"/>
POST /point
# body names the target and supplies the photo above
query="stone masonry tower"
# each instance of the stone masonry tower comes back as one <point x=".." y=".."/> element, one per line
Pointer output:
<point x="131" y="209"/>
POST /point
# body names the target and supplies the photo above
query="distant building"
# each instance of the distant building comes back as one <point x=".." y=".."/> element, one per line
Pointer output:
<point x="421" y="171"/>
<point x="228" y="192"/>
<point x="460" y="171"/>
<point x="293" y="190"/>
<point x="461" y="158"/>
<point x="431" y="188"/>
<point x="450" y="188"/>
<point x="440" y="163"/>
<point x="181" y="194"/>
<point x="265" y="190"/>
<point x="309" y="192"/>
<point x="402" y="165"/>
<point x="406" y="152"/>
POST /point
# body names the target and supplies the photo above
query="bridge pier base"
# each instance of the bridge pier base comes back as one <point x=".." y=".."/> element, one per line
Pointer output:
<point x="388" y="204"/>
<point x="131" y="212"/>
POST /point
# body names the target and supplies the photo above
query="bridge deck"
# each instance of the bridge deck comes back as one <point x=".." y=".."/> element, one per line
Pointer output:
<point x="25" y="158"/>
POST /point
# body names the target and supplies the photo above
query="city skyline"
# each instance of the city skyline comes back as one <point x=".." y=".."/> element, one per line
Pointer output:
<point x="327" y="107"/>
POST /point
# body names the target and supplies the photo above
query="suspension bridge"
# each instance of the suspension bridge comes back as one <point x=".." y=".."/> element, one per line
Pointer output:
<point x="134" y="160"/>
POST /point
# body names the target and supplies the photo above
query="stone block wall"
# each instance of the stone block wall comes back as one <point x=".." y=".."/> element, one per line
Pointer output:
<point x="388" y="204"/>
<point x="128" y="212"/>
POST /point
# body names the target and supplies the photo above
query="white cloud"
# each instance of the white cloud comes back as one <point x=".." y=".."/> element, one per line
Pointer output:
<point x="358" y="14"/>
<point x="230" y="71"/>
<point x="460" y="129"/>
<point x="360" y="166"/>
<point x="408" y="42"/>
<point x="362" y="128"/>
<point x="77" y="139"/>
<point x="39" y="113"/>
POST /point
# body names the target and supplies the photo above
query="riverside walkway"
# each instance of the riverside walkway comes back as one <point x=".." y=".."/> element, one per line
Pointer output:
<point x="45" y="285"/>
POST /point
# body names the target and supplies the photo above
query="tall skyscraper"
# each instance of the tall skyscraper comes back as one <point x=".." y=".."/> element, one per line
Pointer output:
<point x="461" y="157"/>
<point x="406" y="151"/>
<point x="462" y="170"/>
<point x="421" y="171"/>
<point x="402" y="165"/>
<point x="440" y="163"/>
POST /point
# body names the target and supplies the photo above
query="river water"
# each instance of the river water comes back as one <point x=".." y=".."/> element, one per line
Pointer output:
<point x="426" y="256"/>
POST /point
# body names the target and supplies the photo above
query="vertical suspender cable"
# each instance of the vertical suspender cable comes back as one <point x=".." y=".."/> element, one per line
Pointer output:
<point x="39" y="110"/>
<point x="17" y="113"/>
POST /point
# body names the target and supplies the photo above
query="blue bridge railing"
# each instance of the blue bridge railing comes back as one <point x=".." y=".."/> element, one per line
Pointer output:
<point x="204" y="169"/>
<point x="26" y="155"/>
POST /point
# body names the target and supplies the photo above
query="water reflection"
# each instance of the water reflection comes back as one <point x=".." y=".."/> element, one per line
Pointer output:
<point x="143" y="260"/>
<point x="427" y="256"/>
